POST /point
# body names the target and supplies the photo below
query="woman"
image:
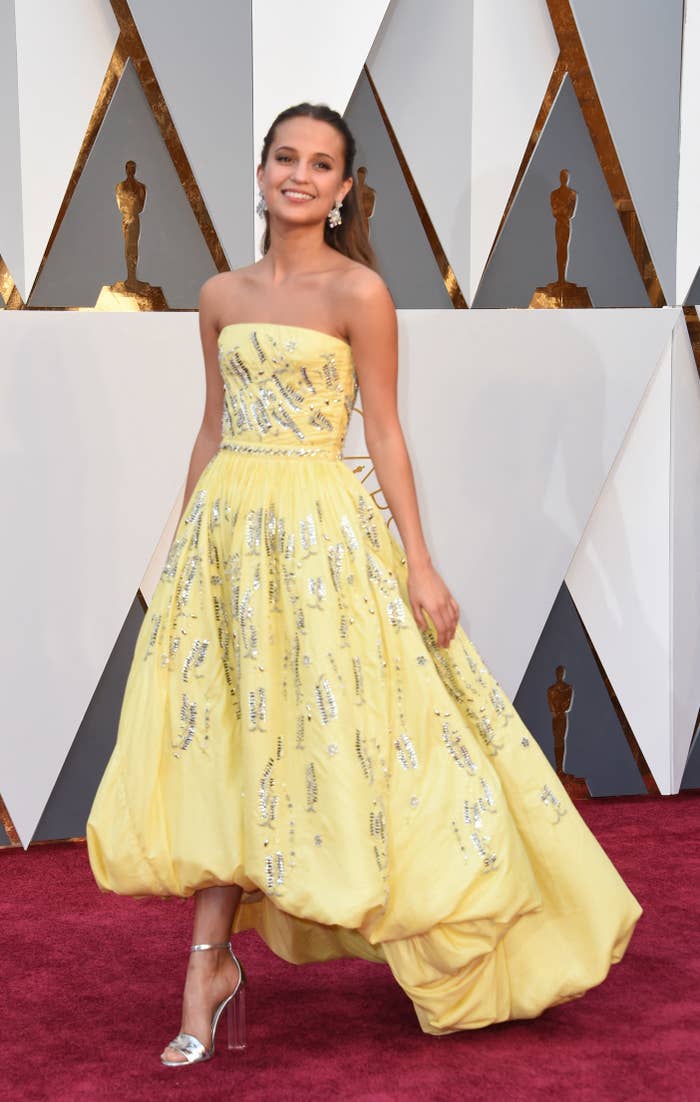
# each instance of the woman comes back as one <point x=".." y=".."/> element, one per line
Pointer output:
<point x="306" y="730"/>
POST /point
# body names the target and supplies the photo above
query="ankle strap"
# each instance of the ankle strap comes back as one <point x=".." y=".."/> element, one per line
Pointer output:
<point x="219" y="945"/>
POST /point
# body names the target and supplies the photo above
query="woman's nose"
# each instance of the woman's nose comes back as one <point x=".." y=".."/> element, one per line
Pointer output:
<point x="299" y="173"/>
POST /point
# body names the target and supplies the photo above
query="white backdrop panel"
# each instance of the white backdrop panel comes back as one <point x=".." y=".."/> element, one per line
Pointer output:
<point x="515" y="50"/>
<point x="513" y="419"/>
<point x="97" y="420"/>
<point x="688" y="255"/>
<point x="619" y="578"/>
<point x="685" y="544"/>
<point x="63" y="52"/>
<point x="11" y="236"/>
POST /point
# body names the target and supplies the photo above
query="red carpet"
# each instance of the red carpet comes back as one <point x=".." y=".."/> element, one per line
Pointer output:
<point x="92" y="983"/>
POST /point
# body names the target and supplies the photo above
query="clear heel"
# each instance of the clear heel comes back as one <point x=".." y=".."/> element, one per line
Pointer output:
<point x="235" y="1019"/>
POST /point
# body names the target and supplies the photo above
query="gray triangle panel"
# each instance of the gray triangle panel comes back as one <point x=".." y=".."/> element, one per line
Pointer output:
<point x="599" y="254"/>
<point x="68" y="806"/>
<point x="693" y="296"/>
<point x="595" y="744"/>
<point x="88" y="252"/>
<point x="691" y="774"/>
<point x="405" y="257"/>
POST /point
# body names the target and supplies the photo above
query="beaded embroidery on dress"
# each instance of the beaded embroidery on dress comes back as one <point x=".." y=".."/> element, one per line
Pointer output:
<point x="286" y="726"/>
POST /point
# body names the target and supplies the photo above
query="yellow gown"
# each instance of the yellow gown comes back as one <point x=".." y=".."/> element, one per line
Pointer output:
<point x="286" y="726"/>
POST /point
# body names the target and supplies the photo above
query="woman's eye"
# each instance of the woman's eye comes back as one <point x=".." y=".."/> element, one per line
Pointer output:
<point x="286" y="157"/>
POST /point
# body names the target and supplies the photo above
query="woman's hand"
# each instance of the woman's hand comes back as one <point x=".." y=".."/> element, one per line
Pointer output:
<point x="427" y="592"/>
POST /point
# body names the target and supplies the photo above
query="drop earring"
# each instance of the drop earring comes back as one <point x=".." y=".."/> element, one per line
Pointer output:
<point x="262" y="205"/>
<point x="334" y="218"/>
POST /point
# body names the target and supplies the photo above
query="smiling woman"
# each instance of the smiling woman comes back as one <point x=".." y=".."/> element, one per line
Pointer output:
<point x="309" y="742"/>
<point x="322" y="169"/>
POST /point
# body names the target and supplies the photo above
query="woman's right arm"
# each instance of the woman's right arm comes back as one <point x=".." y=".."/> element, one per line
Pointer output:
<point x="209" y="436"/>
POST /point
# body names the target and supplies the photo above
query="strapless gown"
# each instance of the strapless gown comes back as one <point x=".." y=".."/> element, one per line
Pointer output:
<point x="287" y="726"/>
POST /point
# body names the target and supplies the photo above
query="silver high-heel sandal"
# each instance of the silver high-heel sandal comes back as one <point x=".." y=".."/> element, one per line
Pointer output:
<point x="191" y="1048"/>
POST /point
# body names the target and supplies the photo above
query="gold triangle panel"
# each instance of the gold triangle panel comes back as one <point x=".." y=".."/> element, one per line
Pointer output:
<point x="8" y="826"/>
<point x="8" y="289"/>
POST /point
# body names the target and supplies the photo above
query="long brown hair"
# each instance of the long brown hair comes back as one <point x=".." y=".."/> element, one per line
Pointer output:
<point x="350" y="237"/>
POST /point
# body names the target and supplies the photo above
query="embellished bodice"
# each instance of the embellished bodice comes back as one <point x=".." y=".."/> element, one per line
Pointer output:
<point x="288" y="390"/>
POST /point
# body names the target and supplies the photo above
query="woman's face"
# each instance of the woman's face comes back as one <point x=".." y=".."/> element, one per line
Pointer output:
<point x="303" y="176"/>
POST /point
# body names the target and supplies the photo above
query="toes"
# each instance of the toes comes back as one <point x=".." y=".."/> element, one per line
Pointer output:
<point x="172" y="1054"/>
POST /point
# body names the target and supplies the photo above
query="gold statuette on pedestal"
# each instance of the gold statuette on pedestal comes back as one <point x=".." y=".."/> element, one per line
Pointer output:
<point x="560" y="697"/>
<point x="554" y="296"/>
<point x="131" y="293"/>
<point x="367" y="197"/>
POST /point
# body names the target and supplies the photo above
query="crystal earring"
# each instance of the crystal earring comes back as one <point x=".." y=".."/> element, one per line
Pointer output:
<point x="262" y="205"/>
<point x="334" y="218"/>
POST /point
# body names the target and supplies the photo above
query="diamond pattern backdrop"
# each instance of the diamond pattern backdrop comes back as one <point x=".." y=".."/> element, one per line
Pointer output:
<point x="556" y="451"/>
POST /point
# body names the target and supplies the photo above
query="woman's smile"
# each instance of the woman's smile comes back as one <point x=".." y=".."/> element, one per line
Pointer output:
<point x="296" y="196"/>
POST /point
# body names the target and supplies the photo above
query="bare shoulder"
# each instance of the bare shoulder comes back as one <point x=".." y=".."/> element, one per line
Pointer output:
<point x="363" y="287"/>
<point x="215" y="286"/>
<point x="368" y="302"/>
<point x="217" y="293"/>
<point x="222" y="283"/>
<point x="361" y="280"/>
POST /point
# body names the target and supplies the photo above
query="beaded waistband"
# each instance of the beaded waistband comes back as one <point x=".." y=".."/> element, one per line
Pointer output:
<point x="271" y="449"/>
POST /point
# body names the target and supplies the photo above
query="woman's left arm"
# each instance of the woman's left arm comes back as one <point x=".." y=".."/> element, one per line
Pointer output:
<point x="373" y="335"/>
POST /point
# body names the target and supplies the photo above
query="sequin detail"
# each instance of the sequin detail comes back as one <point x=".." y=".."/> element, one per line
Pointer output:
<point x="405" y="751"/>
<point x="156" y="620"/>
<point x="194" y="658"/>
<point x="311" y="787"/>
<point x="377" y="830"/>
<point x="265" y="797"/>
<point x="363" y="755"/>
<point x="457" y="750"/>
<point x="550" y="800"/>
<point x="188" y="721"/>
<point x="325" y="700"/>
<point x="259" y="449"/>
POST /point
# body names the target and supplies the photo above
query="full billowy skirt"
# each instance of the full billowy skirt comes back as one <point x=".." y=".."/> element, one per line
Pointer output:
<point x="287" y="727"/>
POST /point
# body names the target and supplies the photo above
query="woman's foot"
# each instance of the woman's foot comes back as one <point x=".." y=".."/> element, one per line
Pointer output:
<point x="211" y="976"/>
